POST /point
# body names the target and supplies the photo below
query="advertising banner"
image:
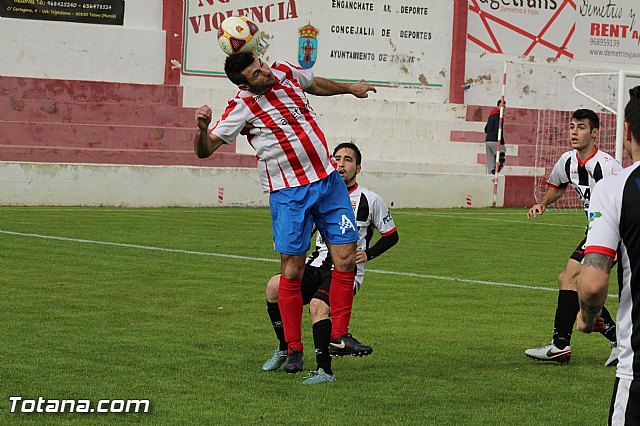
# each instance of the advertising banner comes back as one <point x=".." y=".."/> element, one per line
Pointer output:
<point x="608" y="31"/>
<point x="405" y="44"/>
<point x="587" y="30"/>
<point x="109" y="12"/>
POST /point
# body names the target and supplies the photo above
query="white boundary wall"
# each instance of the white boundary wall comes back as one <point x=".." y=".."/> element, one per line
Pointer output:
<point x="400" y="129"/>
<point x="550" y="41"/>
<point x="538" y="83"/>
<point x="156" y="186"/>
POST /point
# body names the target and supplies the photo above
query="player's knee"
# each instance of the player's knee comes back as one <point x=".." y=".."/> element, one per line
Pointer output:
<point x="318" y="310"/>
<point x="567" y="280"/>
<point x="345" y="260"/>
<point x="347" y="264"/>
<point x="273" y="286"/>
<point x="293" y="266"/>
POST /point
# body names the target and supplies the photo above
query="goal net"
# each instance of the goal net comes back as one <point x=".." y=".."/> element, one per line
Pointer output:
<point x="552" y="140"/>
<point x="596" y="91"/>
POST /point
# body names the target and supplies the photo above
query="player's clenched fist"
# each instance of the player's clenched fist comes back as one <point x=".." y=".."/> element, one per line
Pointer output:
<point x="203" y="117"/>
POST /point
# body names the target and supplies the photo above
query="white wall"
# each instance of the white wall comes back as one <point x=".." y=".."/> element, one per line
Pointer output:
<point x="126" y="186"/>
<point x="538" y="83"/>
<point x="154" y="186"/>
<point x="546" y="44"/>
<point x="403" y="132"/>
<point x="388" y="130"/>
<point x="133" y="53"/>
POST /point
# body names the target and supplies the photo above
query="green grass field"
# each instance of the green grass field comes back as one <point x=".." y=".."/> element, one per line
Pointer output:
<point x="168" y="305"/>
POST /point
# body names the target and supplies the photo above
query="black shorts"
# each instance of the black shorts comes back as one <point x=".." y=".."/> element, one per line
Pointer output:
<point x="625" y="403"/>
<point x="316" y="283"/>
<point x="578" y="253"/>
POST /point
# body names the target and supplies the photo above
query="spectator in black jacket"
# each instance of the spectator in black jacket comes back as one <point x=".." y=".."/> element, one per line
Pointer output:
<point x="491" y="140"/>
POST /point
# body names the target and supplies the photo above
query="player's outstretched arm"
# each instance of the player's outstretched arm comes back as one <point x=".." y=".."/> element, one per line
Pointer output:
<point x="324" y="87"/>
<point x="204" y="143"/>
<point x="551" y="196"/>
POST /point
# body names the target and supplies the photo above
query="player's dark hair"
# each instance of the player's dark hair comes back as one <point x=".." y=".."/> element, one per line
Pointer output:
<point x="587" y="114"/>
<point x="499" y="101"/>
<point x="235" y="64"/>
<point x="352" y="147"/>
<point x="632" y="113"/>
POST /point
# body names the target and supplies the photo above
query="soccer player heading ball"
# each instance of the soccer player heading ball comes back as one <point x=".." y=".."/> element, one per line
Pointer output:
<point x="371" y="213"/>
<point x="582" y="168"/>
<point x="297" y="169"/>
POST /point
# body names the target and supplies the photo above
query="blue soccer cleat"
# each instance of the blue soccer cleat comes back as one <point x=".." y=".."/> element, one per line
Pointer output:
<point x="319" y="376"/>
<point x="277" y="359"/>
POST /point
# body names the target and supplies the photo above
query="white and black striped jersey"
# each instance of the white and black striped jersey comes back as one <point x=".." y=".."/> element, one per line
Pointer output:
<point x="582" y="176"/>
<point x="614" y="227"/>
<point x="371" y="213"/>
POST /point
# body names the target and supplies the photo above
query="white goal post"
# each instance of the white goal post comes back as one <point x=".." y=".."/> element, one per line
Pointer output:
<point x="621" y="98"/>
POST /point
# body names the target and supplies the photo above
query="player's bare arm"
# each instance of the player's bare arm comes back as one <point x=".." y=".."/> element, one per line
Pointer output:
<point x="324" y="87"/>
<point x="204" y="143"/>
<point x="599" y="261"/>
<point x="593" y="284"/>
<point x="551" y="196"/>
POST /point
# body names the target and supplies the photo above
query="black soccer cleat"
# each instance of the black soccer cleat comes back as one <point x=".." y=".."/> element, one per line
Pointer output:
<point x="348" y="345"/>
<point x="294" y="362"/>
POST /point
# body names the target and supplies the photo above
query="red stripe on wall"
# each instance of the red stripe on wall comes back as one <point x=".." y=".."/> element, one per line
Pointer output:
<point x="458" y="51"/>
<point x="172" y="16"/>
<point x="518" y="191"/>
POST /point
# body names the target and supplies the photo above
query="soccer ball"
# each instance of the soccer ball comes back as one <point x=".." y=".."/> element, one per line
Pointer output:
<point x="238" y="34"/>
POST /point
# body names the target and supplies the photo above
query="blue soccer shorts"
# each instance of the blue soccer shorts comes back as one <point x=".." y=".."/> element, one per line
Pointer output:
<point x="325" y="203"/>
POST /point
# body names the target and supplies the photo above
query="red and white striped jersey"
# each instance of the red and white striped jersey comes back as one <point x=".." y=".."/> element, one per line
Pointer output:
<point x="614" y="228"/>
<point x="283" y="129"/>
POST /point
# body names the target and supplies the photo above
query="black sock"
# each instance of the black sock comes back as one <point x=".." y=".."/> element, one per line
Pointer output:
<point x="321" y="337"/>
<point x="609" y="326"/>
<point x="276" y="321"/>
<point x="568" y="307"/>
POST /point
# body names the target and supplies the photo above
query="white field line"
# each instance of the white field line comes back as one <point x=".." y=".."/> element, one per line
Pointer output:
<point x="260" y="259"/>
<point x="136" y="246"/>
<point x="457" y="215"/>
<point x="471" y="216"/>
<point x="428" y="212"/>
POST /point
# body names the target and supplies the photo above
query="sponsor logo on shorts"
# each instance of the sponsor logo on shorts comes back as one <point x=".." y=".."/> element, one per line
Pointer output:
<point x="346" y="224"/>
